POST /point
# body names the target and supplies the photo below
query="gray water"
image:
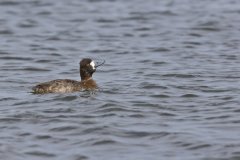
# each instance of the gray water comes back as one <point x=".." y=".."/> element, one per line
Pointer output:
<point x="170" y="87"/>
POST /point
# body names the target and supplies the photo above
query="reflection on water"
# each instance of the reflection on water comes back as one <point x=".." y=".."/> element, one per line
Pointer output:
<point x="169" y="87"/>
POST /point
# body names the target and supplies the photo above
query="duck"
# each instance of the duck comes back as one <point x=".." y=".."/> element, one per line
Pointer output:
<point x="87" y="68"/>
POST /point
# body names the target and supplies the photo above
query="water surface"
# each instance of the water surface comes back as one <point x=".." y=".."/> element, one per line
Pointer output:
<point x="169" y="89"/>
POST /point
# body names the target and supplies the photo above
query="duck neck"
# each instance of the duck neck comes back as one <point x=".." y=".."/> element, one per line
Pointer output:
<point x="85" y="75"/>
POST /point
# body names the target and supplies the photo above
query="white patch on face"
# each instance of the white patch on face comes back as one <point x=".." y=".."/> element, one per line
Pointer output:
<point x="92" y="64"/>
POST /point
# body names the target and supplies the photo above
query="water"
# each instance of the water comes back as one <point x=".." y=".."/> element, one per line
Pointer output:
<point x="169" y="89"/>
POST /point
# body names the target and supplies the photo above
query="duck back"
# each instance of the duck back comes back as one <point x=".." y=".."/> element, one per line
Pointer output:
<point x="64" y="86"/>
<point x="58" y="86"/>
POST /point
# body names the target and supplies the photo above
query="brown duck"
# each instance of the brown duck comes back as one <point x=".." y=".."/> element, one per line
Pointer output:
<point x="87" y="68"/>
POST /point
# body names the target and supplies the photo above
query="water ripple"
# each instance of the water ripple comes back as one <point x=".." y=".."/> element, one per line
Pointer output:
<point x="42" y="154"/>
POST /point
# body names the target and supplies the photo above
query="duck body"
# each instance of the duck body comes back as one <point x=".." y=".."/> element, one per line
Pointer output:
<point x="64" y="86"/>
<point x="87" y="68"/>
